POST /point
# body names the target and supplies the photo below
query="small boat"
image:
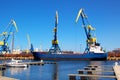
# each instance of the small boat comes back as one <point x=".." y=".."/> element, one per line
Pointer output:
<point x="15" y="63"/>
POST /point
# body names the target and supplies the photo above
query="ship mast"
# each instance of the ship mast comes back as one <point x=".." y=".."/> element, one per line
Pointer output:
<point x="55" y="49"/>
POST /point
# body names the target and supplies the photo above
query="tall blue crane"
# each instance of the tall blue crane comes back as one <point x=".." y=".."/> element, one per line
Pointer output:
<point x="55" y="47"/>
<point x="10" y="29"/>
<point x="91" y="40"/>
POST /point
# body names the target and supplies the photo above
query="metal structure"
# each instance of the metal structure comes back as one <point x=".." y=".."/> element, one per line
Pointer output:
<point x="55" y="49"/>
<point x="30" y="45"/>
<point x="10" y="30"/>
<point x="91" y="41"/>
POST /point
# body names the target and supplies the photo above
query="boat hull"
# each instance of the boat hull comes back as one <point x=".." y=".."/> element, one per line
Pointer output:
<point x="86" y="56"/>
<point x="15" y="63"/>
<point x="18" y="66"/>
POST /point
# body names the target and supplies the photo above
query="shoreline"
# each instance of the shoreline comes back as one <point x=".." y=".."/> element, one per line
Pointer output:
<point x="29" y="56"/>
<point x="22" y="56"/>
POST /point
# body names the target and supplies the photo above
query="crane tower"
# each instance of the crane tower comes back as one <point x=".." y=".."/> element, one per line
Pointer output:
<point x="55" y="47"/>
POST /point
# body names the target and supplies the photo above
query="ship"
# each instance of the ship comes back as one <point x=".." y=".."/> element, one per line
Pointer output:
<point x="93" y="50"/>
<point x="84" y="56"/>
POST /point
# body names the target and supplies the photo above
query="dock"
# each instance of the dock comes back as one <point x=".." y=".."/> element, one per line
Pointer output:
<point x="73" y="76"/>
<point x="80" y="71"/>
<point x="2" y="66"/>
<point x="7" y="78"/>
<point x="92" y="72"/>
<point x="39" y="63"/>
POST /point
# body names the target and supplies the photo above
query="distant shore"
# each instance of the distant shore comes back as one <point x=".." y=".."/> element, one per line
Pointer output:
<point x="113" y="56"/>
<point x="22" y="56"/>
<point x="29" y="56"/>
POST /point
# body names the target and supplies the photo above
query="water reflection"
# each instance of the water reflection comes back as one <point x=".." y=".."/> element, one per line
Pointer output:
<point x="58" y="71"/>
<point x="55" y="73"/>
<point x="14" y="71"/>
<point x="98" y="68"/>
<point x="2" y="72"/>
<point x="98" y="63"/>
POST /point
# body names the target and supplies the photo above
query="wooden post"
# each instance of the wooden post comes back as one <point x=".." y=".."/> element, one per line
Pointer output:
<point x="83" y="78"/>
<point x="86" y="68"/>
<point x="89" y="72"/>
<point x="93" y="68"/>
<point x="80" y="72"/>
<point x="72" y="77"/>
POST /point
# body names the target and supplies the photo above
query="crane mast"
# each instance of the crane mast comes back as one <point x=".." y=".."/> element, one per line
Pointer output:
<point x="55" y="47"/>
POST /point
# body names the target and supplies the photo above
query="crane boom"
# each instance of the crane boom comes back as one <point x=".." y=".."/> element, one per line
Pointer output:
<point x="14" y="23"/>
<point x="81" y="13"/>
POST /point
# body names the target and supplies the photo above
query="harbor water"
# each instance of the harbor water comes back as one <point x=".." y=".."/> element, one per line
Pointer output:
<point x="58" y="71"/>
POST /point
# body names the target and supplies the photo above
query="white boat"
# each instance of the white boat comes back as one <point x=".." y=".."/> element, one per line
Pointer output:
<point x="15" y="63"/>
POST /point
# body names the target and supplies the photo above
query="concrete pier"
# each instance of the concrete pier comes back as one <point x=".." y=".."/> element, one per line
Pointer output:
<point x="31" y="63"/>
<point x="92" y="72"/>
<point x="116" y="68"/>
<point x="39" y="63"/>
<point x="73" y="76"/>
<point x="7" y="78"/>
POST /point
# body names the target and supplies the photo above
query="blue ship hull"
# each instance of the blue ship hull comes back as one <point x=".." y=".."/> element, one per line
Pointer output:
<point x="86" y="56"/>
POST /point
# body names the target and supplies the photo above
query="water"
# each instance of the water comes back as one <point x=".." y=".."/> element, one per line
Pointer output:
<point x="57" y="71"/>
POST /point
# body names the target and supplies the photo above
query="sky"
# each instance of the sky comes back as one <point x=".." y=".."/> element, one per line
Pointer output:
<point x="37" y="18"/>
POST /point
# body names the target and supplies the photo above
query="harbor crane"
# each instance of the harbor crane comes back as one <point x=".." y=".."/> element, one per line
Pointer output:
<point x="30" y="45"/>
<point x="55" y="47"/>
<point x="91" y="41"/>
<point x="4" y="36"/>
